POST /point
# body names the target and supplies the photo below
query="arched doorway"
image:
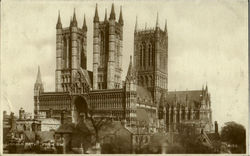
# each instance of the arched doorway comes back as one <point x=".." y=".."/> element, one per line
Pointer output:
<point x="79" y="109"/>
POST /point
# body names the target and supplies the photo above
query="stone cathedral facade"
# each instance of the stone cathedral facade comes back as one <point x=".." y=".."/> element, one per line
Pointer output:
<point x="145" y="88"/>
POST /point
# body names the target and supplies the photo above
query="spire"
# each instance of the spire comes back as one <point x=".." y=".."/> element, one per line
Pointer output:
<point x="130" y="66"/>
<point x="74" y="22"/>
<point x="39" y="77"/>
<point x="206" y="87"/>
<point x="112" y="13"/>
<point x="165" y="26"/>
<point x="145" y="25"/>
<point x="130" y="73"/>
<point x="96" y="18"/>
<point x="157" y="20"/>
<point x="59" y="24"/>
<point x="120" y="18"/>
<point x="136" y="24"/>
<point x="105" y="19"/>
<point x="84" y="25"/>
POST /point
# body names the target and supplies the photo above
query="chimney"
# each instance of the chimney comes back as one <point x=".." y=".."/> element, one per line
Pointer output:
<point x="12" y="121"/>
<point x="21" y="114"/>
<point x="215" y="127"/>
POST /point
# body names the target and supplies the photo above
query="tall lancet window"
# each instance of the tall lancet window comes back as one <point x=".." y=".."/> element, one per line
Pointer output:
<point x="65" y="52"/>
<point x="141" y="55"/>
<point x="117" y="51"/>
<point x="102" y="49"/>
<point x="79" y="52"/>
<point x="82" y="54"/>
<point x="144" y="54"/>
<point x="149" y="54"/>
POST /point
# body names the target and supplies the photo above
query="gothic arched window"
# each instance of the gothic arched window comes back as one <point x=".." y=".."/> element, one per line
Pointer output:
<point x="64" y="52"/>
<point x="144" y="54"/>
<point x="149" y="54"/>
<point x="141" y="55"/>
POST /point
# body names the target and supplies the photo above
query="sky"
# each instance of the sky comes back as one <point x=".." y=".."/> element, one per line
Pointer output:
<point x="208" y="44"/>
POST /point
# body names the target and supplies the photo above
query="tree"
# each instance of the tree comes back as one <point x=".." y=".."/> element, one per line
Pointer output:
<point x="234" y="134"/>
<point x="98" y="123"/>
<point x="188" y="138"/>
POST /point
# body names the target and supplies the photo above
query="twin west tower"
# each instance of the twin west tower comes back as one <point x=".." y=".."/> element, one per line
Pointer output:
<point x="71" y="51"/>
<point x="150" y="54"/>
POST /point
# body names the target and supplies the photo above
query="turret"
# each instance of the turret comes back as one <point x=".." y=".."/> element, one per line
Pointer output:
<point x="74" y="51"/>
<point x="96" y="49"/>
<point x="112" y="48"/>
<point x="59" y="48"/>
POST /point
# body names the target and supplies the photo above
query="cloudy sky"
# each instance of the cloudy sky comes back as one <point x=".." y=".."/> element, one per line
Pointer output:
<point x="207" y="44"/>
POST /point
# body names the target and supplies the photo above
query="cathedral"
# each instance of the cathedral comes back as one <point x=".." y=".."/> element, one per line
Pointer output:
<point x="103" y="92"/>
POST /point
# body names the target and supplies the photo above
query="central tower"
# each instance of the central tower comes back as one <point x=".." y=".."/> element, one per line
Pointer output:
<point x="151" y="59"/>
<point x="107" y="51"/>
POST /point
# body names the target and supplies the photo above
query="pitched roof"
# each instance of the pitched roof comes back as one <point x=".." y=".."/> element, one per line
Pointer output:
<point x="192" y="98"/>
<point x="213" y="136"/>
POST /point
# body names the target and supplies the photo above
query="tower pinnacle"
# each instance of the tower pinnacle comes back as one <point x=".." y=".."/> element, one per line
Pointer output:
<point x="112" y="13"/>
<point x="74" y="22"/>
<point x="157" y="20"/>
<point x="136" y="24"/>
<point x="59" y="24"/>
<point x="120" y="18"/>
<point x="105" y="19"/>
<point x="96" y="18"/>
<point x="165" y="29"/>
<point x="84" y="26"/>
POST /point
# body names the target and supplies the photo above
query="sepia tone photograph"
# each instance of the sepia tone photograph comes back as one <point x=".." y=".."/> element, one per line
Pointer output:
<point x="124" y="77"/>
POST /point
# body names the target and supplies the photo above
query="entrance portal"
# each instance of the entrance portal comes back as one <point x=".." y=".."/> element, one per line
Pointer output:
<point x="79" y="109"/>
